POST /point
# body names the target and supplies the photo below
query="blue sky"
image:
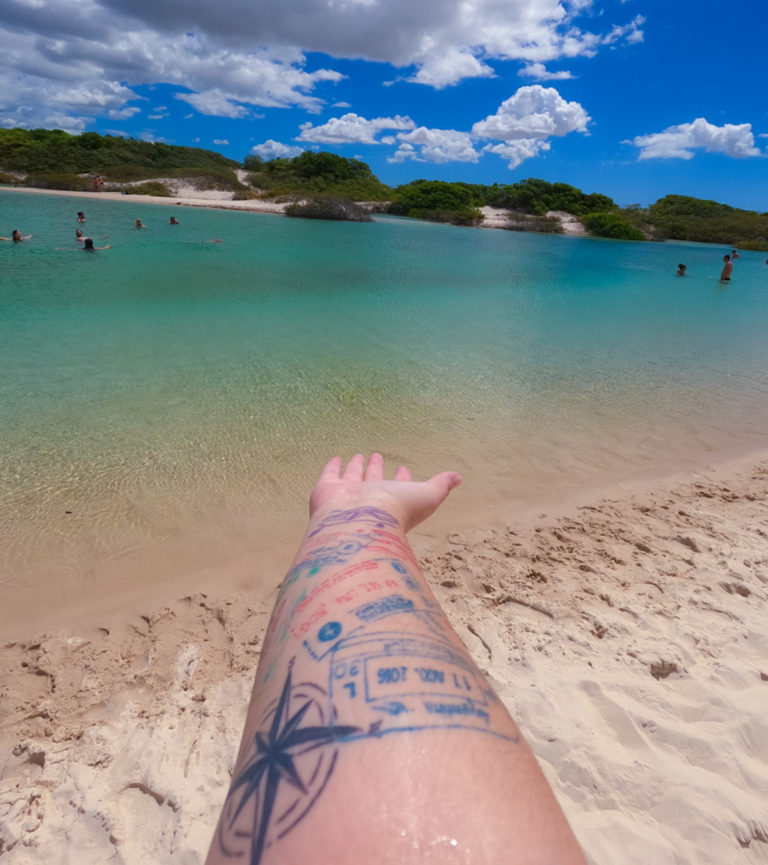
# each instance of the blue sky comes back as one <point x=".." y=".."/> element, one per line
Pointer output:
<point x="632" y="98"/>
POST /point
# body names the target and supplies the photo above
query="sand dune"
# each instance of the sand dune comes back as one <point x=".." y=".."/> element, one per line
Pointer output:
<point x="628" y="638"/>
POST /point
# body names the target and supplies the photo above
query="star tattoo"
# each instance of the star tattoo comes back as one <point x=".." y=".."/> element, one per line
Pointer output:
<point x="274" y="769"/>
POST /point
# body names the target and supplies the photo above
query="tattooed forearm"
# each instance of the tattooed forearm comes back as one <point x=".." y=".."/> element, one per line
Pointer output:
<point x="377" y="657"/>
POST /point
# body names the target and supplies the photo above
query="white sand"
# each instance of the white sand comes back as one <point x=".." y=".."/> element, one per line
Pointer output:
<point x="629" y="639"/>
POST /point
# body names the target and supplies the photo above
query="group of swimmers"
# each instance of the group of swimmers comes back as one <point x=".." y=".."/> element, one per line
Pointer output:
<point x="725" y="274"/>
<point x="80" y="238"/>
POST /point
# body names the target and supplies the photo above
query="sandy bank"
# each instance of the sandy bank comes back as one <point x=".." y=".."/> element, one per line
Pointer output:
<point x="188" y="196"/>
<point x="628" y="636"/>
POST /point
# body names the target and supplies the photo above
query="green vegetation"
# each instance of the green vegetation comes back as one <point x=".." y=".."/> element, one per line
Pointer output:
<point x="328" y="208"/>
<point x="323" y="174"/>
<point x="54" y="153"/>
<point x="539" y="196"/>
<point x="53" y="159"/>
<point x="680" y="217"/>
<point x="437" y="201"/>
<point x="151" y="187"/>
<point x="611" y="225"/>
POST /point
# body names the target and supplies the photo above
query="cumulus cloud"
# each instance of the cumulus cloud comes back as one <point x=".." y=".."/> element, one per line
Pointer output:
<point x="540" y="72"/>
<point x="533" y="112"/>
<point x="351" y="128"/>
<point x="255" y="54"/>
<point x="679" y="142"/>
<point x="518" y="151"/>
<point x="276" y="150"/>
<point x="123" y="113"/>
<point x="214" y="103"/>
<point x="434" y="145"/>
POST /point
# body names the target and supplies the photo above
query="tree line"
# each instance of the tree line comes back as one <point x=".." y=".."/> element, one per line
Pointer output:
<point x="52" y="158"/>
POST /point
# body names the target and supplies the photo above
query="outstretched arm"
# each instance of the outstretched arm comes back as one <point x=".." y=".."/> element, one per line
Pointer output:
<point x="371" y="735"/>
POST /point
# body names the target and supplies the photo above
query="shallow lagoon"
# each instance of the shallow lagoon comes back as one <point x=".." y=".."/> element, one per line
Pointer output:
<point x="165" y="389"/>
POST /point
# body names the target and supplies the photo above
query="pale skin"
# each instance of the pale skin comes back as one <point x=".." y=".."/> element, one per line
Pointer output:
<point x="371" y="735"/>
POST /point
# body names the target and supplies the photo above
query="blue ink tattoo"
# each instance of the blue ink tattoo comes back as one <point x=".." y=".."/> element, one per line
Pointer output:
<point x="372" y="516"/>
<point x="290" y="761"/>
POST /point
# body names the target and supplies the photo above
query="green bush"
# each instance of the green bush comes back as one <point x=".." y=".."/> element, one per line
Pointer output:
<point x="151" y="187"/>
<point x="681" y="217"/>
<point x="611" y="225"/>
<point x="328" y="208"/>
<point x="758" y="245"/>
<point x="60" y="180"/>
<point x="531" y="222"/>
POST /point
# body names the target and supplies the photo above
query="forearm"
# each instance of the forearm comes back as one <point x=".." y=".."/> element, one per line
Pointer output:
<point x="371" y="735"/>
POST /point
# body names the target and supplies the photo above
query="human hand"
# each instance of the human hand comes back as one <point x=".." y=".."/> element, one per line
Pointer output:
<point x="409" y="501"/>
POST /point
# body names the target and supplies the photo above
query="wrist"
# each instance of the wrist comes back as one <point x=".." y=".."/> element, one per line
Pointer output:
<point x="373" y="514"/>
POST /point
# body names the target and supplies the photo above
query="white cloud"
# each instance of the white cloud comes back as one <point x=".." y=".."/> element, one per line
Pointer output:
<point x="351" y="128"/>
<point x="629" y="33"/>
<point x="156" y="116"/>
<point x="255" y="53"/>
<point x="276" y="150"/>
<point x="435" y="145"/>
<point x="540" y="72"/>
<point x="533" y="112"/>
<point x="679" y="142"/>
<point x="220" y="141"/>
<point x="450" y="66"/>
<point x="123" y="113"/>
<point x="341" y="105"/>
<point x="214" y="103"/>
<point x="518" y="151"/>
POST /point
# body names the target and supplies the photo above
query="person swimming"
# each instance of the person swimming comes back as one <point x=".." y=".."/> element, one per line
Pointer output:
<point x="89" y="247"/>
<point x="79" y="235"/>
<point x="16" y="236"/>
<point x="140" y="224"/>
<point x="682" y="269"/>
<point x="80" y="216"/>
<point x="173" y="221"/>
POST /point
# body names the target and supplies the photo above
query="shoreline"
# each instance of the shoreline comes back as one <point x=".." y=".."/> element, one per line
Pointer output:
<point x="626" y="632"/>
<point x="493" y="217"/>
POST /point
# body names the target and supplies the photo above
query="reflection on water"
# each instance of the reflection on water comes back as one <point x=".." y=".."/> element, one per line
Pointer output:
<point x="163" y="387"/>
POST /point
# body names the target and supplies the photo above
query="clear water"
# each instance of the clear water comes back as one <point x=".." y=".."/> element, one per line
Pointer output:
<point x="163" y="386"/>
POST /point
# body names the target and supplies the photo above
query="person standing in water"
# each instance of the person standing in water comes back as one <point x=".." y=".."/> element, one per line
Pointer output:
<point x="682" y="269"/>
<point x="725" y="274"/>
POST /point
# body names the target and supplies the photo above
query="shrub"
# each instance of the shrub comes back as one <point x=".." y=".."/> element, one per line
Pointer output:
<point x="328" y="208"/>
<point x="530" y="222"/>
<point x="151" y="187"/>
<point x="611" y="225"/>
<point x="60" y="180"/>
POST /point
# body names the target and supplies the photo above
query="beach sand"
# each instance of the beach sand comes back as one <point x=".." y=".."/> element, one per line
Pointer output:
<point x="628" y="636"/>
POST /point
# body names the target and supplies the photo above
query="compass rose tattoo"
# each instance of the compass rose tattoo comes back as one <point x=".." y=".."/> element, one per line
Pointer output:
<point x="289" y="762"/>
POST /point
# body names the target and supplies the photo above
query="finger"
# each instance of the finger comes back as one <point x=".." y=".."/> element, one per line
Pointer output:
<point x="375" y="470"/>
<point x="354" y="469"/>
<point x="403" y="474"/>
<point x="444" y="482"/>
<point x="331" y="470"/>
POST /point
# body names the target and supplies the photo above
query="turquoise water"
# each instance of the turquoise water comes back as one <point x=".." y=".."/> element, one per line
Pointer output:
<point x="164" y="384"/>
